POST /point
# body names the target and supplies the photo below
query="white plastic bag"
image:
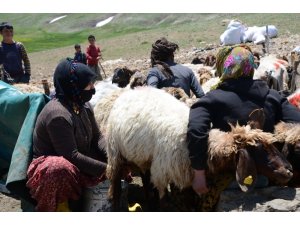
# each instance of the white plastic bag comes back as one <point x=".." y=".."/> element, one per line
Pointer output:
<point x="233" y="34"/>
<point x="258" y="38"/>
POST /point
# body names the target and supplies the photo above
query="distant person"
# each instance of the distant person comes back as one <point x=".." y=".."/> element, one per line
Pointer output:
<point x="79" y="55"/>
<point x="166" y="73"/>
<point x="12" y="54"/>
<point x="93" y="54"/>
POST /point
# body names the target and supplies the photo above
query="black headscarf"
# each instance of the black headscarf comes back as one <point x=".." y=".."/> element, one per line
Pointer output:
<point x="161" y="52"/>
<point x="70" y="78"/>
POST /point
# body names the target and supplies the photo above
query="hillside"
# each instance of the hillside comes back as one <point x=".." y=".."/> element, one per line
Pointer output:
<point x="132" y="34"/>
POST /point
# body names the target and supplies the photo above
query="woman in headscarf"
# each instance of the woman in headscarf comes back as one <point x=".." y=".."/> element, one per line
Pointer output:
<point x="67" y="144"/>
<point x="166" y="73"/>
<point x="232" y="101"/>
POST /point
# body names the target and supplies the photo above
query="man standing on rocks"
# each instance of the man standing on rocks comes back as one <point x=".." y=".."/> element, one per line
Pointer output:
<point x="12" y="54"/>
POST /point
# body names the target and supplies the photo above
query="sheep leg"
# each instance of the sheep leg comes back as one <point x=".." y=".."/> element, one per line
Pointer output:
<point x="115" y="189"/>
<point x="151" y="193"/>
<point x="217" y="184"/>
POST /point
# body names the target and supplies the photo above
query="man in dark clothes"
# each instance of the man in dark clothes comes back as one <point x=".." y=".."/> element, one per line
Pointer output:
<point x="166" y="73"/>
<point x="67" y="150"/>
<point x="12" y="54"/>
<point x="79" y="55"/>
<point x="234" y="98"/>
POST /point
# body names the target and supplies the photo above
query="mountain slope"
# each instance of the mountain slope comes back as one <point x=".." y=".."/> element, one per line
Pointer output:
<point x="134" y="32"/>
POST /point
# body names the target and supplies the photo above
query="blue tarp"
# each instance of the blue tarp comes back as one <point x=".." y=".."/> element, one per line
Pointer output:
<point x="18" y="114"/>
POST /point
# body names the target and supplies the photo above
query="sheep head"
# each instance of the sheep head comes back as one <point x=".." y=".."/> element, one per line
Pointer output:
<point x="204" y="75"/>
<point x="122" y="76"/>
<point x="288" y="139"/>
<point x="247" y="152"/>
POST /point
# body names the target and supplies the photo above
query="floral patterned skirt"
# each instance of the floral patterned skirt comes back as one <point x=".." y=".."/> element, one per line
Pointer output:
<point x="53" y="180"/>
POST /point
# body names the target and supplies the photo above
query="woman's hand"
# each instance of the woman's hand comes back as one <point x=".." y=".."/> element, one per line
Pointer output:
<point x="199" y="182"/>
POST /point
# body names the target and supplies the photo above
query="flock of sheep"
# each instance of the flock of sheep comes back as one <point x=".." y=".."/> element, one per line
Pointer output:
<point x="145" y="129"/>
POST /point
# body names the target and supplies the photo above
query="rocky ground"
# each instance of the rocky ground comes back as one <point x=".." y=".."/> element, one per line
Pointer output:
<point x="44" y="63"/>
<point x="270" y="199"/>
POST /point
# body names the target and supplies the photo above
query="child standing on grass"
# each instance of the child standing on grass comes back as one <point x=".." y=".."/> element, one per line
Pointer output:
<point x="93" y="54"/>
<point x="79" y="56"/>
<point x="12" y="54"/>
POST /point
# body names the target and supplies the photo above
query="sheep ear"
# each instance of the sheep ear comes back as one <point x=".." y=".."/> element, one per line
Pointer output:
<point x="286" y="150"/>
<point x="245" y="170"/>
<point x="257" y="119"/>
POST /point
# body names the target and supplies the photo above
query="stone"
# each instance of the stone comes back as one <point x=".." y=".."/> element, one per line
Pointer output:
<point x="269" y="199"/>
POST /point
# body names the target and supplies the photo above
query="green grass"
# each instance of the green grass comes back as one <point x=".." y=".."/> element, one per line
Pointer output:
<point x="132" y="34"/>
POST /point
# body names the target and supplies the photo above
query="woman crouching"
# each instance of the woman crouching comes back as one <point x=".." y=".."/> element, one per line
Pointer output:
<point x="67" y="148"/>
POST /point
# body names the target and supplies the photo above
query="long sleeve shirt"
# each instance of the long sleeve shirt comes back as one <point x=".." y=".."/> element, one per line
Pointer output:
<point x="61" y="132"/>
<point x="183" y="78"/>
<point x="11" y="56"/>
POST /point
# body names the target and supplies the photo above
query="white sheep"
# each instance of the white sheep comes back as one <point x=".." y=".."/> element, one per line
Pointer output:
<point x="276" y="69"/>
<point x="103" y="107"/>
<point x="206" y="87"/>
<point x="147" y="128"/>
<point x="103" y="88"/>
<point x="294" y="98"/>
<point x="139" y="134"/>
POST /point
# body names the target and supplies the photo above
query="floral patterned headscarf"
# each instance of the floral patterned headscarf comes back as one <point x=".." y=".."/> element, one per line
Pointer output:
<point x="235" y="62"/>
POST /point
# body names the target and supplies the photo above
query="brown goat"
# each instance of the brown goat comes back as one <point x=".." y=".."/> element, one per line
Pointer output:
<point x="180" y="95"/>
<point x="177" y="93"/>
<point x="210" y="60"/>
<point x="137" y="79"/>
<point x="288" y="137"/>
<point x="204" y="75"/>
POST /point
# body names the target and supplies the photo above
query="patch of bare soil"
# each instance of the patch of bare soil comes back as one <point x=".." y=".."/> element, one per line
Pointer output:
<point x="9" y="204"/>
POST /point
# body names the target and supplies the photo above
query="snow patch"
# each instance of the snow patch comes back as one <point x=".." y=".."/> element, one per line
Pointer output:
<point x="103" y="22"/>
<point x="57" y="18"/>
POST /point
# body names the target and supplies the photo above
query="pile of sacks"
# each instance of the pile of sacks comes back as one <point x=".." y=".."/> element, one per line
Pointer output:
<point x="237" y="33"/>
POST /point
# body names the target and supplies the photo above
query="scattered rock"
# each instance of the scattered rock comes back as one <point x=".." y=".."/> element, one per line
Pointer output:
<point x="270" y="199"/>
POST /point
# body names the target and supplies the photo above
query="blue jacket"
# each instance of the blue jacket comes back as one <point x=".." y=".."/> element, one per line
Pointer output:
<point x="80" y="57"/>
<point x="183" y="78"/>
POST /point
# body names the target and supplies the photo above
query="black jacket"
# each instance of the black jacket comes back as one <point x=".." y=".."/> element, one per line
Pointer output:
<point x="232" y="102"/>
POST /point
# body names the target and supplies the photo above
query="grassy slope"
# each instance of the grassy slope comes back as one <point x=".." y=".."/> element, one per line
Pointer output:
<point x="132" y="34"/>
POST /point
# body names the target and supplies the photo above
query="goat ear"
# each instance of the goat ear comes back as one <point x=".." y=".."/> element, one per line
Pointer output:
<point x="245" y="170"/>
<point x="257" y="119"/>
<point x="286" y="150"/>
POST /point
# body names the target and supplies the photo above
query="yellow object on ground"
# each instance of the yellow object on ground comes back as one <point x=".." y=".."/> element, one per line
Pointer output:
<point x="63" y="207"/>
<point x="248" y="180"/>
<point x="135" y="208"/>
